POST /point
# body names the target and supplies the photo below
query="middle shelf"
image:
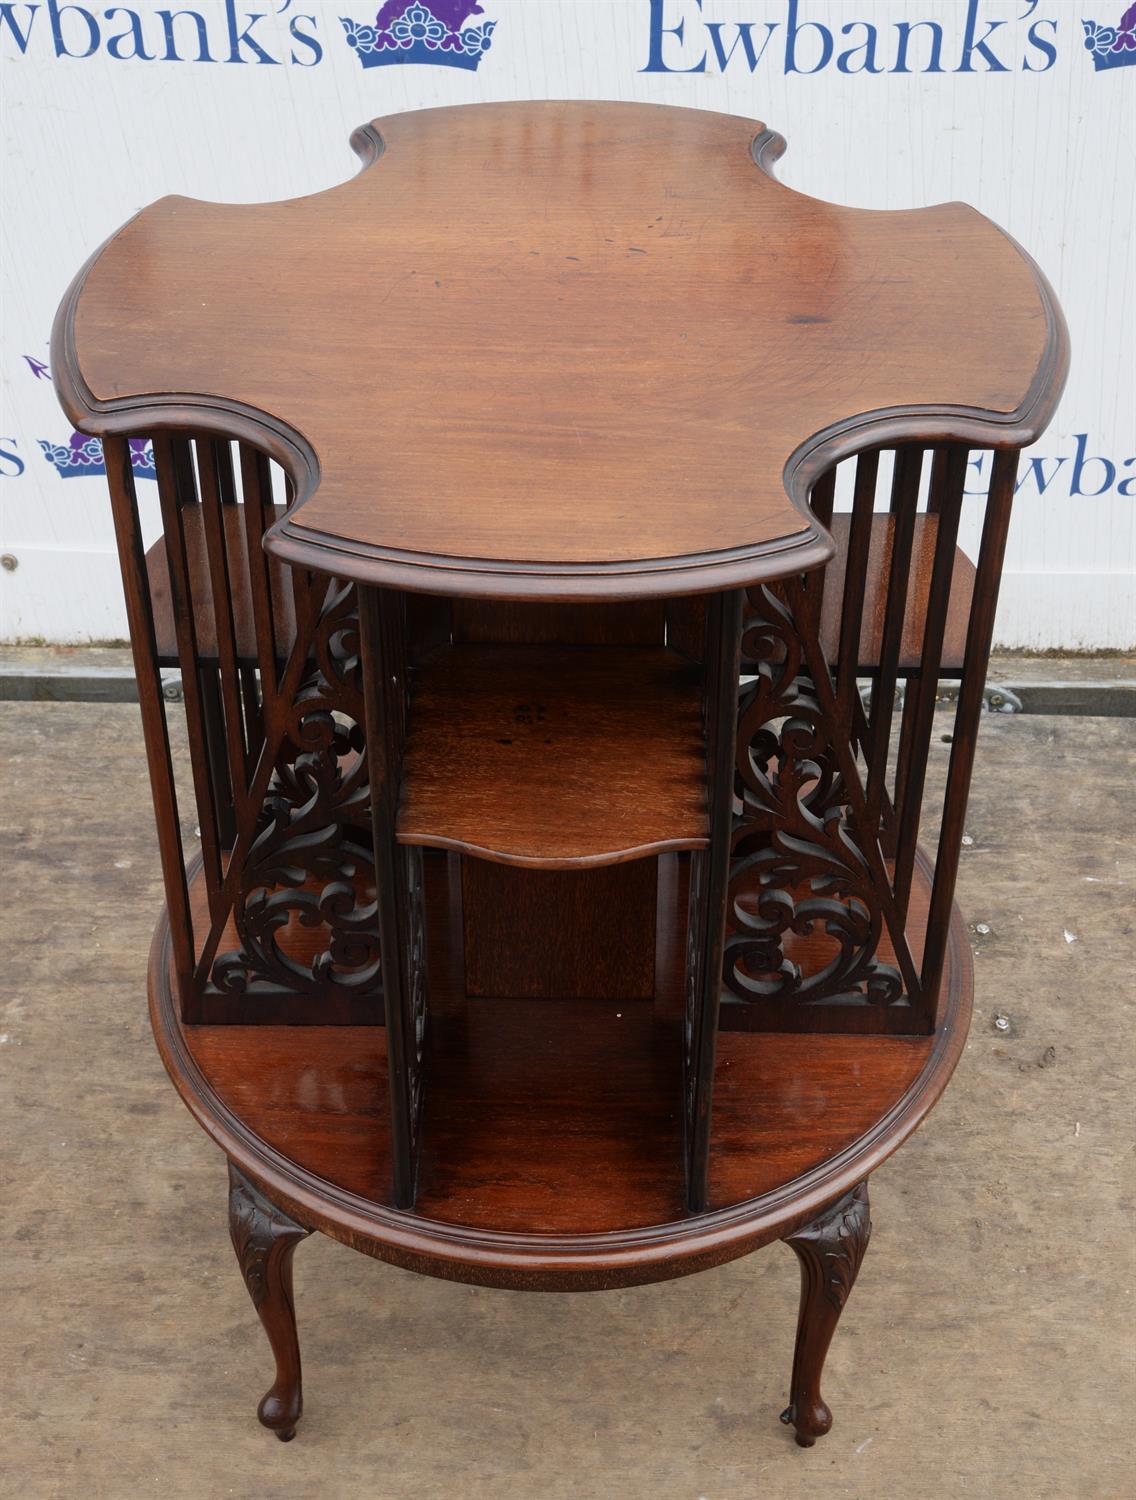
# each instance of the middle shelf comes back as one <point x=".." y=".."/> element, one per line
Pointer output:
<point x="555" y="757"/>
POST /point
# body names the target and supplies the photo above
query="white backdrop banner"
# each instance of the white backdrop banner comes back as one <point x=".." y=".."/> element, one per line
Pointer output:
<point x="1024" y="108"/>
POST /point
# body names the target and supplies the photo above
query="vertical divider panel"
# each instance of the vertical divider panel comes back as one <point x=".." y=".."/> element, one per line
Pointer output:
<point x="382" y="630"/>
<point x="904" y="499"/>
<point x="979" y="634"/>
<point x="220" y="587"/>
<point x="849" y="708"/>
<point x="948" y="478"/>
<point x="239" y="568"/>
<point x="176" y="489"/>
<point x="821" y="499"/>
<point x="139" y="613"/>
<point x="213" y="725"/>
<point x="256" y="484"/>
<point x="710" y="877"/>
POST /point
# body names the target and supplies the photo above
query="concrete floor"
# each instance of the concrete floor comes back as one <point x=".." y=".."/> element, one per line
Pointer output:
<point x="987" y="1350"/>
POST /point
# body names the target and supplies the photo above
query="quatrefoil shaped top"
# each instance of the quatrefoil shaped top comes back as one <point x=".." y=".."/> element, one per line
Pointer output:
<point x="575" y="350"/>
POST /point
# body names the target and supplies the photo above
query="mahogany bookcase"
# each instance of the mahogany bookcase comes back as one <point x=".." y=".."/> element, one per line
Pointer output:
<point x="549" y="515"/>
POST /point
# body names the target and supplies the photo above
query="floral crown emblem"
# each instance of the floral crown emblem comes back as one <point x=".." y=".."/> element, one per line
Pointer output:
<point x="1112" y="46"/>
<point x="421" y="31"/>
<point x="83" y="457"/>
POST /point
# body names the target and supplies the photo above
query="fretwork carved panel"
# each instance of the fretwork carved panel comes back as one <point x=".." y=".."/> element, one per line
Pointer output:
<point x="800" y="867"/>
<point x="311" y="863"/>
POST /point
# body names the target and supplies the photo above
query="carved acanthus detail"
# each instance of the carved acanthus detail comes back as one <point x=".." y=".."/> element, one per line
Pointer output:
<point x="265" y="1240"/>
<point x="830" y="1250"/>
<point x="257" y="1228"/>
<point x="835" y="1243"/>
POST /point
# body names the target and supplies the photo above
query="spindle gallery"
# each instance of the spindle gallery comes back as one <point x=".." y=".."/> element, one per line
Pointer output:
<point x="564" y="916"/>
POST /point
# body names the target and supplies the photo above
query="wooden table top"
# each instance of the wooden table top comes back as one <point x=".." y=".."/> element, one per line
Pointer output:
<point x="568" y="350"/>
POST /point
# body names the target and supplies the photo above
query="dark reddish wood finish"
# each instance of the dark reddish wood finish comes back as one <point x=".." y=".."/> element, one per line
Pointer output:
<point x="382" y="637"/>
<point x="140" y="614"/>
<point x="201" y="590"/>
<point x="995" y="530"/>
<point x="870" y="596"/>
<point x="639" y="623"/>
<point x="551" y="1146"/>
<point x="602" y="449"/>
<point x="555" y="757"/>
<point x="830" y="1249"/>
<point x="706" y="920"/>
<point x="265" y="1239"/>
<point x="521" y="634"/>
<point x="560" y="934"/>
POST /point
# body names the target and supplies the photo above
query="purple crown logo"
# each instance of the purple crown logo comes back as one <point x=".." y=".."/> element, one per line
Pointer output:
<point x="83" y="456"/>
<point x="421" y="31"/>
<point x="1112" y="46"/>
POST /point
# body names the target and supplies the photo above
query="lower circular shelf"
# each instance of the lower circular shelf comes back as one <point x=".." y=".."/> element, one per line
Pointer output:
<point x="554" y="1162"/>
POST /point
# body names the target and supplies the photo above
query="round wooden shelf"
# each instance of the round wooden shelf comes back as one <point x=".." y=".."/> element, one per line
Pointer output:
<point x="554" y="1163"/>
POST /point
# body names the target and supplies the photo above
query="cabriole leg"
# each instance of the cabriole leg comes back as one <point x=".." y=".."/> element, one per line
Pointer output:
<point x="265" y="1240"/>
<point x="830" y="1250"/>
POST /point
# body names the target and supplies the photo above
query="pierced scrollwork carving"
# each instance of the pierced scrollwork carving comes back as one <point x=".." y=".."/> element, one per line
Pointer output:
<point x="312" y="861"/>
<point x="797" y="864"/>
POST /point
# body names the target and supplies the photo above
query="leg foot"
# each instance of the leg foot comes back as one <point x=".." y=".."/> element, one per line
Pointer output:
<point x="830" y="1250"/>
<point x="265" y="1239"/>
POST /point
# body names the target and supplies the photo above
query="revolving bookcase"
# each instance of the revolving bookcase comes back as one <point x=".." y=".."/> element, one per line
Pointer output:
<point x="558" y="536"/>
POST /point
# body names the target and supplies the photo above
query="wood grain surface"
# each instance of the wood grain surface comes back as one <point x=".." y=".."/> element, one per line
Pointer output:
<point x="874" y="599"/>
<point x="560" y="624"/>
<point x="201" y="590"/>
<point x="574" y="1126"/>
<point x="551" y="1151"/>
<point x="554" y="757"/>
<point x="560" y="934"/>
<point x="570" y="349"/>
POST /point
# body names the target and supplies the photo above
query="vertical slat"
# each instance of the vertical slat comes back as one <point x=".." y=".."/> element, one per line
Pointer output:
<point x="904" y="748"/>
<point x="685" y="625"/>
<point x="948" y="478"/>
<point x="175" y="478"/>
<point x="904" y="496"/>
<point x="821" y="500"/>
<point x="254" y="723"/>
<point x="383" y="740"/>
<point x="855" y="574"/>
<point x="823" y="496"/>
<point x="257" y="488"/>
<point x="722" y="723"/>
<point x="980" y="632"/>
<point x="249" y="692"/>
<point x="223" y="462"/>
<point x="220" y="586"/>
<point x="139" y="613"/>
<point x="220" y="771"/>
<point x="303" y="580"/>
